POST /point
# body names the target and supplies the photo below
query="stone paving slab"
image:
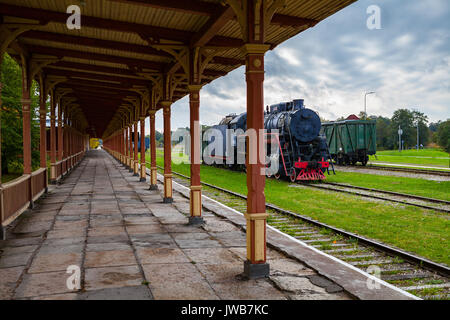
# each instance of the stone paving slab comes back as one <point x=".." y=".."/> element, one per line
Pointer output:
<point x="127" y="244"/>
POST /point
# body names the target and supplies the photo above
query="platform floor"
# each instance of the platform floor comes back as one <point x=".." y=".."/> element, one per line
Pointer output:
<point x="127" y="244"/>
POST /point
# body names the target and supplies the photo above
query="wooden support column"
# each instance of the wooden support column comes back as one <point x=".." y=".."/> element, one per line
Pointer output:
<point x="42" y="127"/>
<point x="60" y="132"/>
<point x="143" y="175"/>
<point x="26" y="118"/>
<point x="53" y="176"/>
<point x="26" y="121"/>
<point x="153" y="169"/>
<point x="130" y="148"/>
<point x="127" y="151"/>
<point x="254" y="17"/>
<point x="167" y="153"/>
<point x="196" y="187"/>
<point x="123" y="149"/>
<point x="256" y="203"/>
<point x="135" y="147"/>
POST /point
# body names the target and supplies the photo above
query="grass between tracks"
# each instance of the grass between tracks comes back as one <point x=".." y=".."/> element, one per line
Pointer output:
<point x="427" y="157"/>
<point x="423" y="232"/>
<point x="413" y="186"/>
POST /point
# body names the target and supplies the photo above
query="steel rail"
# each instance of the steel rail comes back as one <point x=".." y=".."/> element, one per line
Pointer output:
<point x="422" y="262"/>
<point x="410" y="170"/>
<point x="412" y="196"/>
<point x="371" y="196"/>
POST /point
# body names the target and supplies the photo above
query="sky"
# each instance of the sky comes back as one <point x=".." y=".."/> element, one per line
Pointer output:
<point x="406" y="62"/>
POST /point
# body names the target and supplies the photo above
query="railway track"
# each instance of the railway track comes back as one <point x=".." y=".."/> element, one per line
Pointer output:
<point x="391" y="196"/>
<point x="408" y="170"/>
<point x="417" y="275"/>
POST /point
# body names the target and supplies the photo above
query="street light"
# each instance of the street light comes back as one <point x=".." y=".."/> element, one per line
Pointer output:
<point x="365" y="102"/>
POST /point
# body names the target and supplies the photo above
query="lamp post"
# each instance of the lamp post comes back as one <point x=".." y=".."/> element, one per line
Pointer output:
<point x="365" y="102"/>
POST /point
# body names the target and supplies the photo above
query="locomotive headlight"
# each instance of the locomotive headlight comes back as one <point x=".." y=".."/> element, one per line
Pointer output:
<point x="340" y="149"/>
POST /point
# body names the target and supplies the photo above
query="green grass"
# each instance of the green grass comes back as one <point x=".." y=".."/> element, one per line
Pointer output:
<point x="419" y="187"/>
<point x="424" y="157"/>
<point x="413" y="229"/>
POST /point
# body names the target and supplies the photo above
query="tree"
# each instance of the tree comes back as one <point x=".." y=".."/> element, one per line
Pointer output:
<point x="405" y="119"/>
<point x="443" y="135"/>
<point x="421" y="120"/>
<point x="385" y="134"/>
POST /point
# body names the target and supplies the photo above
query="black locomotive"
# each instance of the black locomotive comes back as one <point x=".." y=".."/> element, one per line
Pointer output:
<point x="291" y="130"/>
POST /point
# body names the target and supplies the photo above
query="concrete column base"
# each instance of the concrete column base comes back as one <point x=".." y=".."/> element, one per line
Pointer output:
<point x="153" y="187"/>
<point x="136" y="168"/>
<point x="168" y="185"/>
<point x="195" y="201"/>
<point x="143" y="173"/>
<point x="168" y="200"/>
<point x="153" y="177"/>
<point x="256" y="270"/>
<point x="195" y="221"/>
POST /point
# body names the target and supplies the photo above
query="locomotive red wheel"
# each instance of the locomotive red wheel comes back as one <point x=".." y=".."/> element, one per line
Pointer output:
<point x="293" y="175"/>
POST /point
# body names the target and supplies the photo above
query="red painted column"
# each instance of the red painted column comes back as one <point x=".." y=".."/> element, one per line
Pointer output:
<point x="143" y="173"/>
<point x="196" y="187"/>
<point x="53" y="176"/>
<point x="60" y="133"/>
<point x="26" y="118"/>
<point x="42" y="125"/>
<point x="42" y="131"/>
<point x="153" y="168"/>
<point x="135" y="146"/>
<point x="130" y="148"/>
<point x="256" y="203"/>
<point x="126" y="147"/>
<point x="122" y="145"/>
<point x="167" y="153"/>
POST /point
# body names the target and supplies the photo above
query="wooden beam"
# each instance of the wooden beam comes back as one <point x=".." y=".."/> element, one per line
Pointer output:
<point x="212" y="27"/>
<point x="93" y="42"/>
<point x="291" y="21"/>
<point x="95" y="76"/>
<point x="97" y="84"/>
<point x="227" y="61"/>
<point x="131" y="62"/>
<point x="91" y="67"/>
<point x="193" y="7"/>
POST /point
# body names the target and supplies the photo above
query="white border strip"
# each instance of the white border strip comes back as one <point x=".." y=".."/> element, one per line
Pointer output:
<point x="317" y="251"/>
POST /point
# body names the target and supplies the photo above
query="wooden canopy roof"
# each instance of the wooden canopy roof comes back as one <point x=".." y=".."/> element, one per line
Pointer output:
<point x="119" y="42"/>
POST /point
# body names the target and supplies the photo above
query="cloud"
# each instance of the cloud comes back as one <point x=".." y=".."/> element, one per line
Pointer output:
<point x="331" y="66"/>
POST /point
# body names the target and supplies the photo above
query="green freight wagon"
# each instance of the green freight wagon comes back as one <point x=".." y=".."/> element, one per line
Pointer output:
<point x="350" y="141"/>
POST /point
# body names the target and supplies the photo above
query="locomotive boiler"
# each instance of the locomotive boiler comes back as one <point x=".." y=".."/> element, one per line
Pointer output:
<point x="290" y="129"/>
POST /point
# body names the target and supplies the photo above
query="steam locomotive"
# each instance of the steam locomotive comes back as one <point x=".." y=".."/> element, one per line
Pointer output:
<point x="292" y="130"/>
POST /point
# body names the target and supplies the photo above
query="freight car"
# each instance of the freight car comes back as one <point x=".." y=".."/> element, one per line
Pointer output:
<point x="350" y="141"/>
<point x="291" y="129"/>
